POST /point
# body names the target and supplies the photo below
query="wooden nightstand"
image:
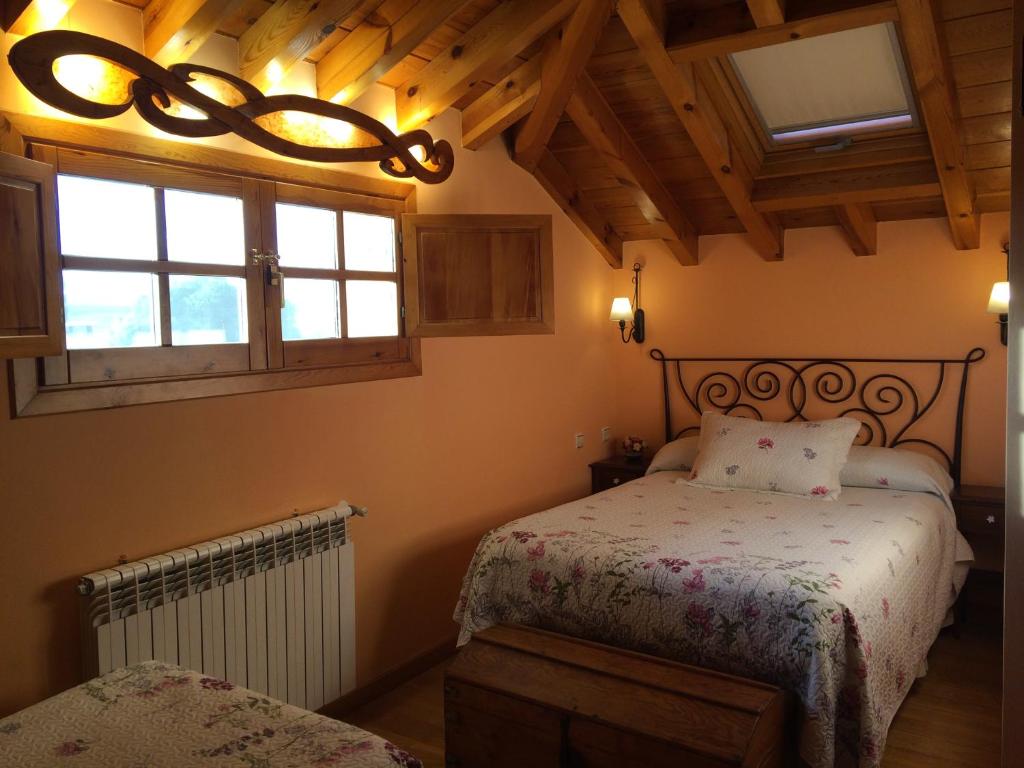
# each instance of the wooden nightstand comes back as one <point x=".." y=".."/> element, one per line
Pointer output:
<point x="616" y="470"/>
<point x="981" y="518"/>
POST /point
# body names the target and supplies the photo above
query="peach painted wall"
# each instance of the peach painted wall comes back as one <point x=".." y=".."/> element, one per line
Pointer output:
<point x="918" y="297"/>
<point x="484" y="435"/>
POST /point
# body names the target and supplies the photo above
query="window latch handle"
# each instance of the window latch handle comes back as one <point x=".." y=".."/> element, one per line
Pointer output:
<point x="270" y="260"/>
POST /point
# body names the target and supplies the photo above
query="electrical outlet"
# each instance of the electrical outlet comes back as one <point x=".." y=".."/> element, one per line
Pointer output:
<point x="579" y="439"/>
<point x="606" y="434"/>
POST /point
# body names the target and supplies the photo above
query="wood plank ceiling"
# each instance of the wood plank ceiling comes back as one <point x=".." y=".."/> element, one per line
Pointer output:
<point x="631" y="115"/>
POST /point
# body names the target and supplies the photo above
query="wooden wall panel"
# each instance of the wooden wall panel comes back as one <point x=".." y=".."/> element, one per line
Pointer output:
<point x="31" y="317"/>
<point x="22" y="302"/>
<point x="478" y="275"/>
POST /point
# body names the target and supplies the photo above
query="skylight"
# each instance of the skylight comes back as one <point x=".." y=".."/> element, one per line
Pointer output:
<point x="831" y="85"/>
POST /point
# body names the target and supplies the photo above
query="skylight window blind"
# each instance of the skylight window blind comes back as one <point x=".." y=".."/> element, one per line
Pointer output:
<point x="828" y="84"/>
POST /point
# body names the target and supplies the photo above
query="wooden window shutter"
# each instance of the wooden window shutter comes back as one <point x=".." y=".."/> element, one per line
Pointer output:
<point x="478" y="275"/>
<point x="31" y="317"/>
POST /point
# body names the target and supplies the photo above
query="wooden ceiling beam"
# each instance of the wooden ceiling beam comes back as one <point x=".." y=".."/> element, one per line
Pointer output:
<point x="499" y="36"/>
<point x="932" y="78"/>
<point x="909" y="181"/>
<point x="503" y="105"/>
<point x="710" y="33"/>
<point x="862" y="153"/>
<point x="857" y="221"/>
<point x="284" y="34"/>
<point x="26" y="17"/>
<point x="377" y="45"/>
<point x="173" y="30"/>
<point x="767" y="13"/>
<point x="704" y="125"/>
<point x="563" y="62"/>
<point x="598" y="123"/>
<point x="579" y="208"/>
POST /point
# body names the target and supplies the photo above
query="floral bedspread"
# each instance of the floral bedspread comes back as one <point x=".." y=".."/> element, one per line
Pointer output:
<point x="157" y="714"/>
<point x="838" y="601"/>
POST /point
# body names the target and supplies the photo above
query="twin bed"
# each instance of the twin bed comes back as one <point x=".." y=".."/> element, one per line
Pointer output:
<point x="837" y="601"/>
<point x="162" y="716"/>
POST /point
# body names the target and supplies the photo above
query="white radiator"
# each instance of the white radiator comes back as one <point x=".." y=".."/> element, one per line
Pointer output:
<point x="271" y="609"/>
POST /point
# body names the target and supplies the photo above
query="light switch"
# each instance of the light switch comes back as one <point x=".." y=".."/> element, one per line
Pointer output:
<point x="606" y="434"/>
<point x="579" y="439"/>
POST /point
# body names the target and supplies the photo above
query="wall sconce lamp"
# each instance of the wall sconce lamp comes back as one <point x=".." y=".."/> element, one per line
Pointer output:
<point x="623" y="311"/>
<point x="999" y="301"/>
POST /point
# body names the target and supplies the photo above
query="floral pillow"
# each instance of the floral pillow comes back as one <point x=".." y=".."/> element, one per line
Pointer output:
<point x="895" y="469"/>
<point x="676" y="455"/>
<point x="800" y="458"/>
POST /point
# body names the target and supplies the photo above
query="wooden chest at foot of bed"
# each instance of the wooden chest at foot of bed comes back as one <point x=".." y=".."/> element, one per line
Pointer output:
<point x="516" y="696"/>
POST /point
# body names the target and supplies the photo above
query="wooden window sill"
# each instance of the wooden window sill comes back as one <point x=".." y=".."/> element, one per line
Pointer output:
<point x="41" y="401"/>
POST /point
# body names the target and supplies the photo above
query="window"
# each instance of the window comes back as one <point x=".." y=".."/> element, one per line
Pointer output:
<point x="337" y="261"/>
<point x="839" y="84"/>
<point x="175" y="276"/>
<point x="340" y="277"/>
<point x="117" y="241"/>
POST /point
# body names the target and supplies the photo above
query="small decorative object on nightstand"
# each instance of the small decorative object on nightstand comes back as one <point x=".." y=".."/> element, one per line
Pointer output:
<point x="634" y="447"/>
<point x="616" y="470"/>
<point x="981" y="518"/>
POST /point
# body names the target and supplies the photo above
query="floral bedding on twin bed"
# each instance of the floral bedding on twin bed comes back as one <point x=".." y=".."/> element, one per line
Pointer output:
<point x="156" y="714"/>
<point x="838" y="601"/>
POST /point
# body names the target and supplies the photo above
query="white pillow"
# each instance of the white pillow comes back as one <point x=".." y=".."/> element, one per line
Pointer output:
<point x="800" y="458"/>
<point x="895" y="468"/>
<point x="675" y="456"/>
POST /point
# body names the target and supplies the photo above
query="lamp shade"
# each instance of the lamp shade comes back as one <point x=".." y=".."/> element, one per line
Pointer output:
<point x="999" y="300"/>
<point x="622" y="310"/>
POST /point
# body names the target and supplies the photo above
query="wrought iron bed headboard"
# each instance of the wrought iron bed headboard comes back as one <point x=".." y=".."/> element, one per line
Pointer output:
<point x="888" y="405"/>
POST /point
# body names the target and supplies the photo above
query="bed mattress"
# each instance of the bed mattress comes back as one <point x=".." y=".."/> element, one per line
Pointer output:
<point x="837" y="601"/>
<point x="156" y="714"/>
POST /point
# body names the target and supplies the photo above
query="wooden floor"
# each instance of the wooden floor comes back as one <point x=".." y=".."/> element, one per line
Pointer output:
<point x="950" y="718"/>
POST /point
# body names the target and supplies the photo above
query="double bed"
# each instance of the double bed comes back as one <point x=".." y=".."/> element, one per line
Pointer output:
<point x="836" y="601"/>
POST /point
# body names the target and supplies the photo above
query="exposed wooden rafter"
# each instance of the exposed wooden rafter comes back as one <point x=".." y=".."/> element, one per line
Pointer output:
<point x="862" y="153"/>
<point x="704" y="125"/>
<point x="284" y="34"/>
<point x="562" y="64"/>
<point x="173" y="30"/>
<point x="910" y="181"/>
<point x="858" y="223"/>
<point x="938" y="108"/>
<point x="23" y="17"/>
<point x="503" y="105"/>
<point x="602" y="129"/>
<point x="502" y="34"/>
<point x="579" y="208"/>
<point x="719" y="31"/>
<point x="767" y="13"/>
<point x="377" y="45"/>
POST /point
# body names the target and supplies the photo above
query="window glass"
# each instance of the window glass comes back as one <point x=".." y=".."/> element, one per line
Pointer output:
<point x="106" y="219"/>
<point x="111" y="309"/>
<point x="369" y="242"/>
<point x="372" y="308"/>
<point x="208" y="310"/>
<point x="307" y="237"/>
<point x="311" y="309"/>
<point x="204" y="228"/>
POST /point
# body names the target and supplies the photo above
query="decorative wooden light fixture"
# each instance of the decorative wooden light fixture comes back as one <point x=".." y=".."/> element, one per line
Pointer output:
<point x="33" y="59"/>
